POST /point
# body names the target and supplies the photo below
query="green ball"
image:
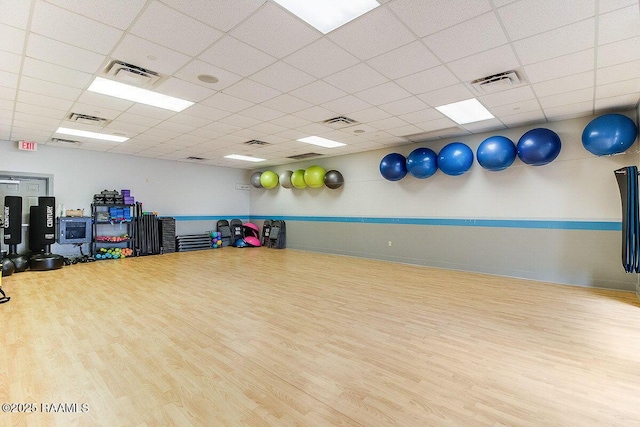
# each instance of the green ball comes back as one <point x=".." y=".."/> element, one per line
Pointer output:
<point x="314" y="176"/>
<point x="297" y="179"/>
<point x="269" y="179"/>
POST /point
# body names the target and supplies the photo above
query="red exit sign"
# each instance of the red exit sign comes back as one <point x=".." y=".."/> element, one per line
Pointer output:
<point x="28" y="145"/>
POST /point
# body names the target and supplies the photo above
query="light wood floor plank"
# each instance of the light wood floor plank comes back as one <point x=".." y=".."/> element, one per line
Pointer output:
<point x="264" y="337"/>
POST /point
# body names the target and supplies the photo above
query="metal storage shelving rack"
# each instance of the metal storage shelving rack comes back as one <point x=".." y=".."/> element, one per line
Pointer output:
<point x="106" y="226"/>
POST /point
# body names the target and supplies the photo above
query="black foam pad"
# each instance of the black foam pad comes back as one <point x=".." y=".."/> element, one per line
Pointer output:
<point x="12" y="220"/>
<point x="49" y="230"/>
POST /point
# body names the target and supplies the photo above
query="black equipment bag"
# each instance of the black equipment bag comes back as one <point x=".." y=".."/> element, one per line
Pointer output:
<point x="266" y="229"/>
<point x="225" y="231"/>
<point x="278" y="234"/>
<point x="237" y="231"/>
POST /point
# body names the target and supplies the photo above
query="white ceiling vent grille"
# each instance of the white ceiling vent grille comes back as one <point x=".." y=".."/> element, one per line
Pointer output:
<point x="304" y="156"/>
<point x="496" y="82"/>
<point x="339" y="122"/>
<point x="256" y="142"/>
<point x="62" y="141"/>
<point x="132" y="74"/>
<point x="195" y="158"/>
<point x="88" y="120"/>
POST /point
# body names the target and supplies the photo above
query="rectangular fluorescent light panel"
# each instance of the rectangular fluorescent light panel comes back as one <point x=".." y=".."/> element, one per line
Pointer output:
<point x="93" y="135"/>
<point x="244" y="158"/>
<point x="322" y="142"/>
<point x="136" y="94"/>
<point x="464" y="112"/>
<point x="327" y="15"/>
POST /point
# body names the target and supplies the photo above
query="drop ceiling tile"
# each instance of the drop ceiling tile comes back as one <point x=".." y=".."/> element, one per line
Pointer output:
<point x="120" y="17"/>
<point x="500" y="3"/>
<point x="16" y="14"/>
<point x="428" y="17"/>
<point x="235" y="56"/>
<point x="18" y="133"/>
<point x="260" y="112"/>
<point x="515" y="108"/>
<point x="193" y="69"/>
<point x="616" y="73"/>
<point x="318" y="92"/>
<point x="55" y="73"/>
<point x="128" y="117"/>
<point x="268" y="129"/>
<point x="321" y="58"/>
<point x="151" y="56"/>
<point x="8" y="80"/>
<point x="24" y="111"/>
<point x="564" y="84"/>
<point x="63" y="54"/>
<point x="189" y="120"/>
<point x="529" y="17"/>
<point x="447" y="95"/>
<point x="315" y="114"/>
<point x="251" y="91"/>
<point x="104" y="101"/>
<point x="373" y="34"/>
<point x="618" y="88"/>
<point x="290" y="122"/>
<point x="7" y="93"/>
<point x="566" y="98"/>
<point x="404" y="106"/>
<point x="438" y="124"/>
<point x="126" y="128"/>
<point x="484" y="126"/>
<point x="369" y="115"/>
<point x="221" y="14"/>
<point x="174" y="127"/>
<point x="282" y="77"/>
<point x="226" y="102"/>
<point x="184" y="90"/>
<point x="34" y="125"/>
<point x="524" y="118"/>
<point x="617" y="103"/>
<point x="12" y="39"/>
<point x="619" y="25"/>
<point x="174" y="30"/>
<point x="405" y="60"/>
<point x="44" y="101"/>
<point x="239" y="121"/>
<point x="468" y="38"/>
<point x="287" y="103"/>
<point x="383" y="94"/>
<point x="564" y="112"/>
<point x="149" y="111"/>
<point x="619" y="52"/>
<point x="29" y="84"/>
<point x="483" y="64"/>
<point x="404" y="130"/>
<point x="421" y="116"/>
<point x="207" y="134"/>
<point x="428" y="80"/>
<point x="356" y="78"/>
<point x="275" y="31"/>
<point x="550" y="69"/>
<point x="10" y="62"/>
<point x="388" y="123"/>
<point x="605" y="6"/>
<point x="67" y="27"/>
<point x="205" y="112"/>
<point x="575" y="37"/>
<point x="505" y="97"/>
<point x="94" y="110"/>
<point x="346" y="104"/>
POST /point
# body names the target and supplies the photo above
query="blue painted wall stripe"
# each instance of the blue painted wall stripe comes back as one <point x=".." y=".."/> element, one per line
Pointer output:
<point x="452" y="222"/>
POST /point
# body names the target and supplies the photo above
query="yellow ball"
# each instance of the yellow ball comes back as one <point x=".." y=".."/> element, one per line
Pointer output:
<point x="297" y="179"/>
<point x="314" y="176"/>
<point x="269" y="179"/>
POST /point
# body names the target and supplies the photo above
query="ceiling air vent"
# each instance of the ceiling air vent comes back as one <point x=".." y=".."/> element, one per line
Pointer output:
<point x="304" y="156"/>
<point x="340" y="122"/>
<point x="88" y="120"/>
<point x="256" y="142"/>
<point x="195" y="159"/>
<point x="496" y="82"/>
<point x="65" y="141"/>
<point x="132" y="74"/>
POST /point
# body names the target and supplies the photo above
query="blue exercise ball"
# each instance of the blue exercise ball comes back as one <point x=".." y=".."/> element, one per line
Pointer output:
<point x="393" y="167"/>
<point x="609" y="134"/>
<point x="496" y="153"/>
<point x="539" y="146"/>
<point x="455" y="158"/>
<point x="422" y="162"/>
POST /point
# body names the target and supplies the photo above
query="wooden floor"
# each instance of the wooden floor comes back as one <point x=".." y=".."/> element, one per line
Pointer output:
<point x="266" y="337"/>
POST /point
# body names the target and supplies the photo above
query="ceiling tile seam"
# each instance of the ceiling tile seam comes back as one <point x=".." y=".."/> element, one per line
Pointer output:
<point x="596" y="48"/>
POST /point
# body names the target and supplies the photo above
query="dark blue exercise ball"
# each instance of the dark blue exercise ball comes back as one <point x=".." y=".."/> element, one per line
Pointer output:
<point x="422" y="162"/>
<point x="539" y="146"/>
<point x="609" y="134"/>
<point x="393" y="167"/>
<point x="496" y="153"/>
<point x="455" y="158"/>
